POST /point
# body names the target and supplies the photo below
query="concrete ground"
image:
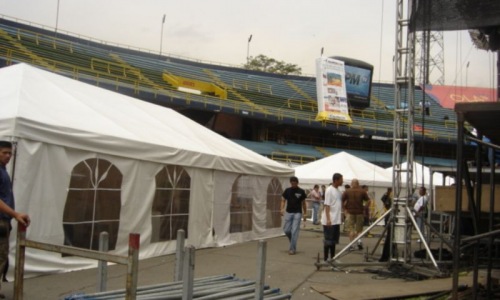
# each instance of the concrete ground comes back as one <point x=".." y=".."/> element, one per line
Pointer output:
<point x="295" y="274"/>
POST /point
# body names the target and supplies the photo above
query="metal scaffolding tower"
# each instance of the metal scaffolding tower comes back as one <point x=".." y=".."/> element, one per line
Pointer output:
<point x="404" y="101"/>
<point x="429" y="62"/>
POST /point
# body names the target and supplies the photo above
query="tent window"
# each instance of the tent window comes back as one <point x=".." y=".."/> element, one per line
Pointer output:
<point x="274" y="192"/>
<point x="93" y="204"/>
<point x="170" y="211"/>
<point x="241" y="209"/>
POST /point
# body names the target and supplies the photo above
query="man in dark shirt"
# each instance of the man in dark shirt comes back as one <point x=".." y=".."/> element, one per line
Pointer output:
<point x="294" y="198"/>
<point x="7" y="211"/>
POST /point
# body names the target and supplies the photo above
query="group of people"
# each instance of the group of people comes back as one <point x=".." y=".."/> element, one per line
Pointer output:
<point x="294" y="209"/>
<point x="353" y="201"/>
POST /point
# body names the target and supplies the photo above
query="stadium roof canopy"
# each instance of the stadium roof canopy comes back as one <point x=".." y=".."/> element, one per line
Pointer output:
<point x="478" y="16"/>
<point x="483" y="117"/>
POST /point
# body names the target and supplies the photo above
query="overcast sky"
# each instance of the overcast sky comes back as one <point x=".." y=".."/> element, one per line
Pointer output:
<point x="290" y="30"/>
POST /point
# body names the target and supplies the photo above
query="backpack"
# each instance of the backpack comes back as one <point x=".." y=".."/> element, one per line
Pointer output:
<point x="386" y="200"/>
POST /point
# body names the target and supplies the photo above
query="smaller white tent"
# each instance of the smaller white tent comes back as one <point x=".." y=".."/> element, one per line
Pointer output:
<point x="350" y="166"/>
<point x="418" y="171"/>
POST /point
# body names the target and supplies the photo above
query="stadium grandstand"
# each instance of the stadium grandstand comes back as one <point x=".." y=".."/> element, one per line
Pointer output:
<point x="272" y="114"/>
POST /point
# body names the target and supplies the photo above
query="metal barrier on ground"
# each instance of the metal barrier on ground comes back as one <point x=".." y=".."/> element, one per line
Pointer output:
<point x="183" y="287"/>
<point x="131" y="261"/>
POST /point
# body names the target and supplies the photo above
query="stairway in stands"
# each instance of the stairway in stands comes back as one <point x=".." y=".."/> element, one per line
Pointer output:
<point x="232" y="91"/>
<point x="136" y="72"/>
<point x="35" y="58"/>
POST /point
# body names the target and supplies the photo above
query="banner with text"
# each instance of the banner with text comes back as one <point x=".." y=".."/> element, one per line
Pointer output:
<point x="331" y="91"/>
<point x="448" y="95"/>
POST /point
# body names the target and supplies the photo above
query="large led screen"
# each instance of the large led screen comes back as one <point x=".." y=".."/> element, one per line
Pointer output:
<point x="358" y="77"/>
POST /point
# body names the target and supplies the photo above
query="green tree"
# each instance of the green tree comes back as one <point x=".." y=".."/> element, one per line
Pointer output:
<point x="271" y="65"/>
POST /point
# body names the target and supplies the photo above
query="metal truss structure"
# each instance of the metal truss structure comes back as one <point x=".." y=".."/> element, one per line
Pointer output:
<point x="429" y="57"/>
<point x="403" y="139"/>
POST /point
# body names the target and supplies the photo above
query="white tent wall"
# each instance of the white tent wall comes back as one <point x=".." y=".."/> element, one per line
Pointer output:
<point x="41" y="180"/>
<point x="253" y="187"/>
<point x="58" y="123"/>
<point x="42" y="177"/>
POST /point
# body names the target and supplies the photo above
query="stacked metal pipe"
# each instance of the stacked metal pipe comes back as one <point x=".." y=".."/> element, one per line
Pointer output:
<point x="206" y="288"/>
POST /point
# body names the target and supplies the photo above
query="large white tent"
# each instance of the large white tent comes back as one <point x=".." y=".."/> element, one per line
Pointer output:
<point x="64" y="129"/>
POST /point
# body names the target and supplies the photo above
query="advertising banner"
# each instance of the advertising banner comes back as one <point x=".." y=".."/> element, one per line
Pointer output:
<point x="331" y="91"/>
<point x="448" y="95"/>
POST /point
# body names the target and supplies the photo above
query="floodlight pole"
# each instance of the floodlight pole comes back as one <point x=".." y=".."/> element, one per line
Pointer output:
<point x="57" y="15"/>
<point x="161" y="36"/>
<point x="248" y="47"/>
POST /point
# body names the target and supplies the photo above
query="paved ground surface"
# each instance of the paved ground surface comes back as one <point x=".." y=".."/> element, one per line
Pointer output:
<point x="295" y="274"/>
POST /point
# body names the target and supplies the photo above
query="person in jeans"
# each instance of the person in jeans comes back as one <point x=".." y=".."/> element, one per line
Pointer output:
<point x="315" y="197"/>
<point x="7" y="211"/>
<point x="331" y="216"/>
<point x="293" y="198"/>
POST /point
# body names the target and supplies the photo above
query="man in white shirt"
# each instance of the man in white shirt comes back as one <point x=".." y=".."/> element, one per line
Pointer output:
<point x="420" y="208"/>
<point x="331" y="216"/>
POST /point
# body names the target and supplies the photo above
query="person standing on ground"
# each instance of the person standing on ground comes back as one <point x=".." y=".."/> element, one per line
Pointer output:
<point x="344" y="212"/>
<point x="387" y="201"/>
<point x="367" y="211"/>
<point x="315" y="197"/>
<point x="353" y="203"/>
<point x="7" y="211"/>
<point x="322" y="202"/>
<point x="415" y="195"/>
<point x="294" y="199"/>
<point x="331" y="217"/>
<point x="367" y="207"/>
<point x="420" y="208"/>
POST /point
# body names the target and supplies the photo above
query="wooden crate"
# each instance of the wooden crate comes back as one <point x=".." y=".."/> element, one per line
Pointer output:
<point x="445" y="198"/>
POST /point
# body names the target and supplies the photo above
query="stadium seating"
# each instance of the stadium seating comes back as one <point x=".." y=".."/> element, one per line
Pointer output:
<point x="299" y="154"/>
<point x="274" y="97"/>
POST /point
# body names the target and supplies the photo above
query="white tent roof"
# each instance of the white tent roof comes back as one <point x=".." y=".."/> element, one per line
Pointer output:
<point x="47" y="107"/>
<point x="350" y="166"/>
<point x="437" y="178"/>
